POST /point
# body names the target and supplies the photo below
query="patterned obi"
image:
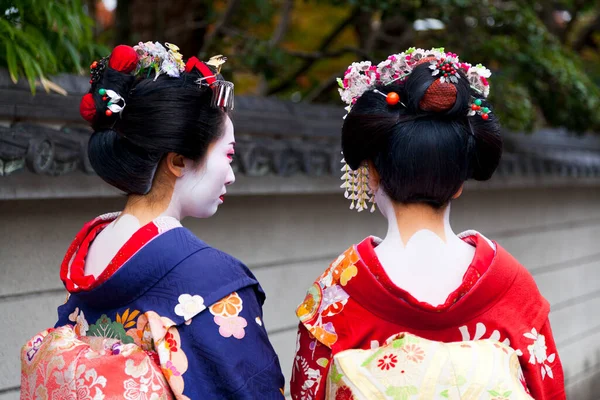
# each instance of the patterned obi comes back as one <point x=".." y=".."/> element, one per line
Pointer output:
<point x="58" y="363"/>
<point x="408" y="367"/>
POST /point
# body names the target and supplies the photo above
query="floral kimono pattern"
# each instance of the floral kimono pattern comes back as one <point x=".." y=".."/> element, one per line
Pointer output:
<point x="354" y="305"/>
<point x="195" y="311"/>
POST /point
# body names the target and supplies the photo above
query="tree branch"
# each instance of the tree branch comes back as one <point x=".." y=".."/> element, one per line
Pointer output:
<point x="307" y="64"/>
<point x="278" y="34"/>
<point x="316" y="55"/>
<point x="185" y="28"/>
<point x="331" y="82"/>
<point x="586" y="35"/>
<point x="284" y="22"/>
<point x="325" y="86"/>
<point x="221" y="23"/>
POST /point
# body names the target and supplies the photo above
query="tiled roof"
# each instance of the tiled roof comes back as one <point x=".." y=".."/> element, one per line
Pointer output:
<point x="45" y="134"/>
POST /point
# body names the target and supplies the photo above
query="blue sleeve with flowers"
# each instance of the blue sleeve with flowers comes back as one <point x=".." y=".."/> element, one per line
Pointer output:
<point x="229" y="355"/>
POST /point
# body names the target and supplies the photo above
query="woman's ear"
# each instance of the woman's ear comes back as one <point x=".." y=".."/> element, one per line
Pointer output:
<point x="458" y="192"/>
<point x="175" y="163"/>
<point x="374" y="178"/>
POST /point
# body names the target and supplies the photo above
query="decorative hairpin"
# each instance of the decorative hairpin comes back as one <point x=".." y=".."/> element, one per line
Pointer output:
<point x="223" y="91"/>
<point x="116" y="104"/>
<point x="158" y="58"/>
<point x="392" y="98"/>
<point x="476" y="108"/>
<point x="356" y="187"/>
<point x="97" y="69"/>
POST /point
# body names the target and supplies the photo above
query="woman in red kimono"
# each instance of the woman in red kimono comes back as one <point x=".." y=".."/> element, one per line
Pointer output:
<point x="418" y="127"/>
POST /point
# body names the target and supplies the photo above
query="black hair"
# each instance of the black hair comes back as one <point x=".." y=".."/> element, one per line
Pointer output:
<point x="422" y="156"/>
<point x="164" y="115"/>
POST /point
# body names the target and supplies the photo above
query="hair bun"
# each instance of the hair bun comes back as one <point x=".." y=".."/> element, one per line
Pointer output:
<point x="439" y="97"/>
<point x="123" y="58"/>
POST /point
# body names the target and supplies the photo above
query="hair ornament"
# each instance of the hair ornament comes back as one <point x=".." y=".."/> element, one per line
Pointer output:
<point x="115" y="105"/>
<point x="155" y="57"/>
<point x="447" y="68"/>
<point x="476" y="108"/>
<point x="223" y="91"/>
<point x="97" y="69"/>
<point x="392" y="98"/>
<point x="361" y="77"/>
<point x="144" y="59"/>
<point x="123" y="58"/>
<point x="217" y="62"/>
<point x="87" y="108"/>
<point x="356" y="186"/>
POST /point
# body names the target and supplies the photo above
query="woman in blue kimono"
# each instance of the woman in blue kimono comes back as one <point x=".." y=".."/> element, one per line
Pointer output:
<point x="162" y="135"/>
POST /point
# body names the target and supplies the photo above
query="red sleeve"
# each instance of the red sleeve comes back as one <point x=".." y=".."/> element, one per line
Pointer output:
<point x="311" y="364"/>
<point x="541" y="365"/>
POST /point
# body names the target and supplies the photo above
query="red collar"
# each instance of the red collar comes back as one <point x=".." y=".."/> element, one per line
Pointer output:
<point x="490" y="273"/>
<point x="72" y="270"/>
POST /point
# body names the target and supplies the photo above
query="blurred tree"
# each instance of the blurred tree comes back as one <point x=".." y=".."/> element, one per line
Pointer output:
<point x="543" y="53"/>
<point x="39" y="38"/>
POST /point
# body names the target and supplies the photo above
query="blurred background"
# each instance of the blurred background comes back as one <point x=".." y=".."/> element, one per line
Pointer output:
<point x="286" y="217"/>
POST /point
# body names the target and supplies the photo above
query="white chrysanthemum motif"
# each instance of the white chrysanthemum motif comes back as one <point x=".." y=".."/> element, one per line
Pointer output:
<point x="480" y="333"/>
<point x="189" y="306"/>
<point x="538" y="353"/>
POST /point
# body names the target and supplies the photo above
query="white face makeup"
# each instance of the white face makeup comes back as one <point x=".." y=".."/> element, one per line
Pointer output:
<point x="201" y="189"/>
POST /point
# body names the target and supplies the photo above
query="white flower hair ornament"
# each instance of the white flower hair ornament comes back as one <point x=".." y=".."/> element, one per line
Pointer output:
<point x="361" y="77"/>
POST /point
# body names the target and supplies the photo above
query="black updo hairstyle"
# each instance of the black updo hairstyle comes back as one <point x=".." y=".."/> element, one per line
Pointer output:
<point x="161" y="116"/>
<point x="422" y="156"/>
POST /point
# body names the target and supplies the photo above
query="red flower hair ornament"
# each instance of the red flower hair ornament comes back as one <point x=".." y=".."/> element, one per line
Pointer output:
<point x="144" y="58"/>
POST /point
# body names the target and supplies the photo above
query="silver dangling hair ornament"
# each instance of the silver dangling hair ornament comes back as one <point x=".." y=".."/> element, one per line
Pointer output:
<point x="222" y="90"/>
<point x="356" y="187"/>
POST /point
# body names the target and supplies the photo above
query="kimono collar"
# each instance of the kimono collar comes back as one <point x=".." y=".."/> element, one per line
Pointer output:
<point x="489" y="276"/>
<point x="72" y="271"/>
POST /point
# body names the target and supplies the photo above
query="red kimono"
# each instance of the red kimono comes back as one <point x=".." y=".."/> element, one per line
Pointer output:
<point x="355" y="305"/>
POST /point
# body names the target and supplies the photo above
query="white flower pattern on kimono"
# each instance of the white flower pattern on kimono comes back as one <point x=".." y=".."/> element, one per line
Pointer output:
<point x="189" y="306"/>
<point x="81" y="325"/>
<point x="538" y="353"/>
<point x="480" y="330"/>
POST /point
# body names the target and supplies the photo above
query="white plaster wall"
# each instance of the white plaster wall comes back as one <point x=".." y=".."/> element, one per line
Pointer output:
<point x="289" y="240"/>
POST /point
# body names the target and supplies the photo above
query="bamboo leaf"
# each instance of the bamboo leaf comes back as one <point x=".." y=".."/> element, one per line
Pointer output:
<point x="11" y="59"/>
<point x="75" y="58"/>
<point x="28" y="62"/>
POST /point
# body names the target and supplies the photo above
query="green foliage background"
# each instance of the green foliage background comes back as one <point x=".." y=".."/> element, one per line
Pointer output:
<point x="546" y="69"/>
<point x="39" y="38"/>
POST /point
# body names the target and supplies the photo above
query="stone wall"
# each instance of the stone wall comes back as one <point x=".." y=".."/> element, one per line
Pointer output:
<point x="288" y="240"/>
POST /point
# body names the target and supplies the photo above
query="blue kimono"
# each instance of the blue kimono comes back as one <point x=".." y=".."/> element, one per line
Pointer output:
<point x="196" y="308"/>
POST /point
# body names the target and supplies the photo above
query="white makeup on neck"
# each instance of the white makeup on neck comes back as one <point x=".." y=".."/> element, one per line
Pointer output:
<point x="424" y="264"/>
<point x="202" y="187"/>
